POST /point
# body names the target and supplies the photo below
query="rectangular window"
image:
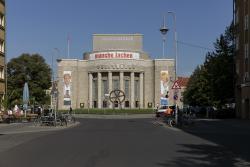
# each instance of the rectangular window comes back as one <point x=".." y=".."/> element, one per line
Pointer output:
<point x="246" y="76"/>
<point x="126" y="104"/>
<point x="237" y="43"/>
<point x="137" y="89"/>
<point x="237" y="67"/>
<point x="104" y="104"/>
<point x="126" y="90"/>
<point x="94" y="89"/>
<point x="116" y="84"/>
<point x="246" y="22"/>
<point x="95" y="104"/>
<point x="137" y="104"/>
<point x="2" y="46"/>
<point x="105" y="87"/>
<point x="2" y="20"/>
<point x="246" y="51"/>
<point x="1" y="73"/>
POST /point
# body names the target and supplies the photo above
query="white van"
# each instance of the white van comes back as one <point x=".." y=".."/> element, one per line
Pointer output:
<point x="160" y="111"/>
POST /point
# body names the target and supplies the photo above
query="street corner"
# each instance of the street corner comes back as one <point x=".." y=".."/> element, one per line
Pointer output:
<point x="36" y="128"/>
<point x="17" y="128"/>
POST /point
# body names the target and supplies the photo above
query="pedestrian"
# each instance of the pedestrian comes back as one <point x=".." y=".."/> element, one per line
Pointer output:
<point x="70" y="110"/>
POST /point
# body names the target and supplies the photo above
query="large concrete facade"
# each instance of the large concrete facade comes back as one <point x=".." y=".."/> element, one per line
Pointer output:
<point x="117" y="62"/>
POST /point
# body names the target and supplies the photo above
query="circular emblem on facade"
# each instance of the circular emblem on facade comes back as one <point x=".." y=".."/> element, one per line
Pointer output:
<point x="117" y="96"/>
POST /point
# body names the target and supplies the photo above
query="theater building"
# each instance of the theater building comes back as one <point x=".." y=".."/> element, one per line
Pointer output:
<point x="117" y="62"/>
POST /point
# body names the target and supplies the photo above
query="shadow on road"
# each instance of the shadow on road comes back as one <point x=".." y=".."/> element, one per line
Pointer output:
<point x="231" y="143"/>
<point x="205" y="155"/>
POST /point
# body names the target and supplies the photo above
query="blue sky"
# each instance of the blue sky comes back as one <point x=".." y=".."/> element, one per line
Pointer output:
<point x="39" y="26"/>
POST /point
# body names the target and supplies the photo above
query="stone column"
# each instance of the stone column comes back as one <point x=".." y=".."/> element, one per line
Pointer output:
<point x="110" y="80"/>
<point x="141" y="90"/>
<point x="99" y="91"/>
<point x="132" y="89"/>
<point x="90" y="100"/>
<point x="122" y="85"/>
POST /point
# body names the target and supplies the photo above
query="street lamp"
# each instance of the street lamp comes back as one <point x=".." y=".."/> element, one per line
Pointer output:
<point x="163" y="31"/>
<point x="175" y="43"/>
<point x="176" y="53"/>
<point x="54" y="91"/>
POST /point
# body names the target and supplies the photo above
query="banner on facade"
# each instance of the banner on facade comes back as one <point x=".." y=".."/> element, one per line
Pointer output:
<point x="67" y="88"/>
<point x="114" y="55"/>
<point x="164" y="87"/>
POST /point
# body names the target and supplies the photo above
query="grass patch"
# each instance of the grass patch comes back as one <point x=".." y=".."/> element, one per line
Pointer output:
<point x="111" y="111"/>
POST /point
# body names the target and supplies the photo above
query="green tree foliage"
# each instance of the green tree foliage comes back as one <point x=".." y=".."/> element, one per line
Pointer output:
<point x="196" y="93"/>
<point x="215" y="76"/>
<point x="32" y="69"/>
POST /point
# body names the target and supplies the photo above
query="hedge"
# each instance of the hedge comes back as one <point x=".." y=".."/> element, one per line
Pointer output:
<point x="111" y="111"/>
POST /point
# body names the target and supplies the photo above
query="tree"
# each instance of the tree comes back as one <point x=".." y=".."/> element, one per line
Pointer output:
<point x="219" y="66"/>
<point x="215" y="76"/>
<point x="196" y="93"/>
<point x="32" y="69"/>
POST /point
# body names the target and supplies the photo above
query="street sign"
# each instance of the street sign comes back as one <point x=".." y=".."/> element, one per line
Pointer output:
<point x="175" y="97"/>
<point x="176" y="85"/>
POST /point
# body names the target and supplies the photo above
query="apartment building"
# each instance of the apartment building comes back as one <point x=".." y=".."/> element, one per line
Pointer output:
<point x="242" y="58"/>
<point x="2" y="48"/>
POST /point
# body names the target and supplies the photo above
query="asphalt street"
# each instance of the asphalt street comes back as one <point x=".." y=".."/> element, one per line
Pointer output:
<point x="128" y="143"/>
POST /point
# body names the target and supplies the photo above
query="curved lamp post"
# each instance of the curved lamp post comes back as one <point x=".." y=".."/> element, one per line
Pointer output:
<point x="164" y="31"/>
<point x="175" y="44"/>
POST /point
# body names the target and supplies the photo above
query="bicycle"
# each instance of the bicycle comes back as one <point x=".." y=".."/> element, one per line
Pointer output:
<point x="188" y="118"/>
<point x="68" y="118"/>
<point x="38" y="121"/>
<point x="170" y="120"/>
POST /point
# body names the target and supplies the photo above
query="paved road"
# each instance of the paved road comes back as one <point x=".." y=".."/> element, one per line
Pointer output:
<point x="123" y="143"/>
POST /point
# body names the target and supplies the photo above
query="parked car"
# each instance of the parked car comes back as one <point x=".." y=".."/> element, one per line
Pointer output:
<point x="162" y="110"/>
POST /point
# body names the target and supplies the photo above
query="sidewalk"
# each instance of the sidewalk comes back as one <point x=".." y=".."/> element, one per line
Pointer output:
<point x="14" y="128"/>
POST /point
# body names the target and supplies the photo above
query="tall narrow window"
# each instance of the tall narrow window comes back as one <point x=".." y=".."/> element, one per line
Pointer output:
<point x="246" y="51"/>
<point x="137" y="88"/>
<point x="2" y="20"/>
<point x="116" y="84"/>
<point x="105" y="87"/>
<point x="2" y="46"/>
<point x="246" y="76"/>
<point x="246" y="22"/>
<point x="126" y="90"/>
<point x="94" y="89"/>
<point x="1" y="73"/>
<point x="237" y="42"/>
